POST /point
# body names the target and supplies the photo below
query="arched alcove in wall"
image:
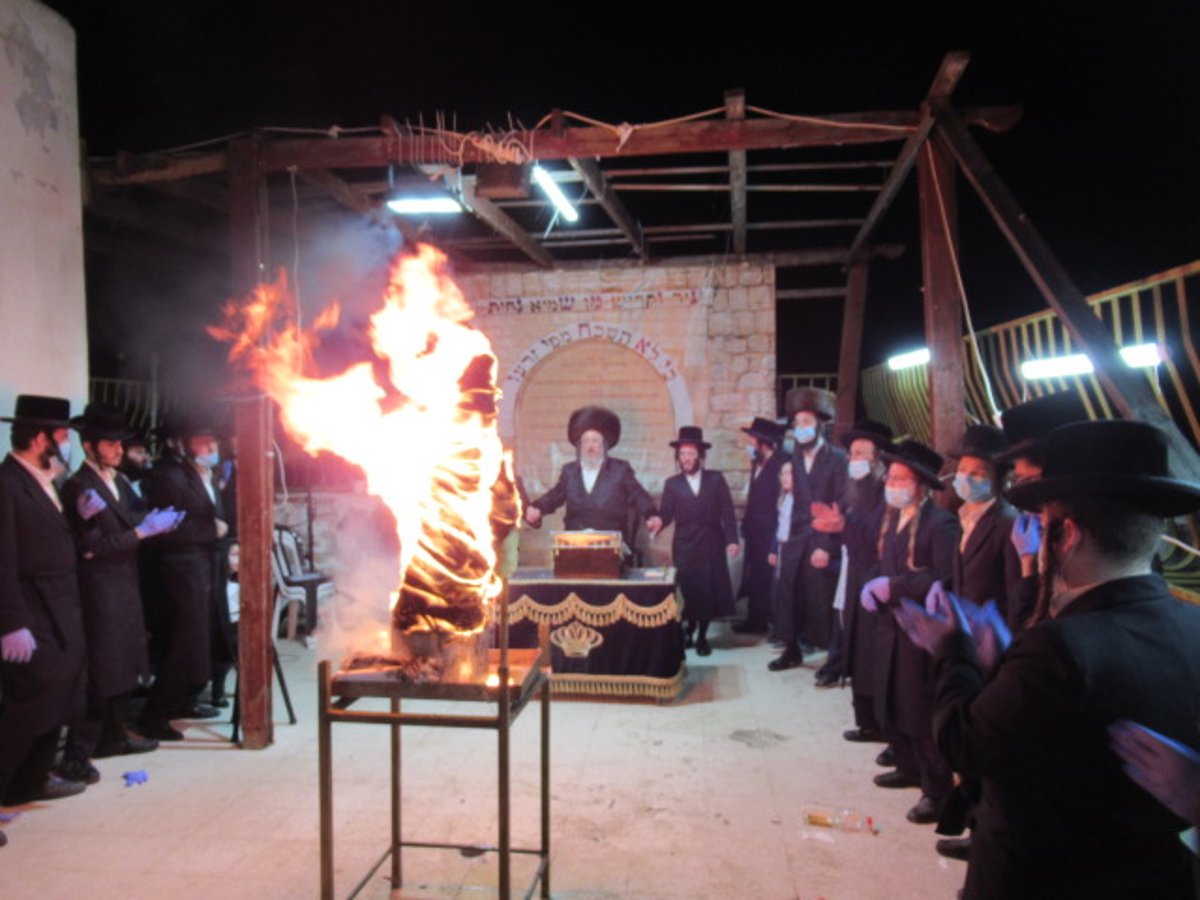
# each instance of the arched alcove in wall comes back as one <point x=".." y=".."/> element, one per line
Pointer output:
<point x="578" y="374"/>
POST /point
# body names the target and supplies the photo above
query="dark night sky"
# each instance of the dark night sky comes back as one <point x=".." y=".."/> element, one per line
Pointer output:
<point x="1104" y="160"/>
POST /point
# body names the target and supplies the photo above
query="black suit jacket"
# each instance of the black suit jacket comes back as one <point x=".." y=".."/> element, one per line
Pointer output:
<point x="607" y="507"/>
<point x="705" y="524"/>
<point x="762" y="507"/>
<point x="987" y="567"/>
<point x="38" y="591"/>
<point x="826" y="483"/>
<point x="1058" y="817"/>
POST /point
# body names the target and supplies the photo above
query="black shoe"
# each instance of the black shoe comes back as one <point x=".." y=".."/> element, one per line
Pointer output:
<point x="955" y="848"/>
<point x="220" y="703"/>
<point x="749" y="627"/>
<point x="886" y="757"/>
<point x="896" y="779"/>
<point x="3" y="839"/>
<point x="199" y="711"/>
<point x="131" y="744"/>
<point x="826" y="680"/>
<point x="862" y="736"/>
<point x="924" y="813"/>
<point x="702" y="648"/>
<point x="78" y="770"/>
<point x="688" y="642"/>
<point x="56" y="788"/>
<point x="159" y="731"/>
<point x="785" y="662"/>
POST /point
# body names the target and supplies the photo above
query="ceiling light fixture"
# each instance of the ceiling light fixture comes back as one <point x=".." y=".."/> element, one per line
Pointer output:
<point x="547" y="183"/>
<point x="909" y="359"/>
<point x="1138" y="356"/>
<point x="422" y="206"/>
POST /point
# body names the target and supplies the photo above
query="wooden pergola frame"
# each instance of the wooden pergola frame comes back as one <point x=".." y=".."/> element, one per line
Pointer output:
<point x="936" y="141"/>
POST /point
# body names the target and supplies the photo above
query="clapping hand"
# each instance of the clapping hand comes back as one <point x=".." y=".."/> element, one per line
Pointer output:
<point x="875" y="592"/>
<point x="89" y="504"/>
<point x="827" y="518"/>
<point x="1027" y="534"/>
<point x="1165" y="768"/>
<point x="18" y="646"/>
<point x="159" y="521"/>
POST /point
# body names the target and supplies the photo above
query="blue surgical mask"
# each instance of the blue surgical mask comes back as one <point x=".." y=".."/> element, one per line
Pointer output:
<point x="208" y="460"/>
<point x="64" y="452"/>
<point x="972" y="490"/>
<point x="805" y="435"/>
<point x="898" y="498"/>
<point x="859" y="469"/>
<point x="752" y="452"/>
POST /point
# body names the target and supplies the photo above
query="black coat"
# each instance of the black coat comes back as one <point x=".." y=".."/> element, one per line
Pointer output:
<point x="762" y="507"/>
<point x="863" y="509"/>
<point x="1058" y="817"/>
<point x="109" y="584"/>
<point x="607" y="507"/>
<point x="988" y="567"/>
<point x="38" y="591"/>
<point x="705" y="525"/>
<point x="904" y="685"/>
<point x="814" y="589"/>
<point x="186" y="562"/>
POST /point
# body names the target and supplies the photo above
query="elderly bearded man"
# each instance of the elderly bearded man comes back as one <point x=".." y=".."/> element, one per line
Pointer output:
<point x="599" y="490"/>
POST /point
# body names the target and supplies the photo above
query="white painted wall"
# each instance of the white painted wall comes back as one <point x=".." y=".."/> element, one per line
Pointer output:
<point x="43" y="318"/>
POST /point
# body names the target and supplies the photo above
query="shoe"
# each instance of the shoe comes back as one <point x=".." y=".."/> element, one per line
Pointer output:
<point x="702" y="648"/>
<point x="785" y="662"/>
<point x="924" y="813"/>
<point x="886" y="757"/>
<point x="896" y="779"/>
<point x="862" y="736"/>
<point x="131" y="744"/>
<point x="56" y="788"/>
<point x="199" y="711"/>
<point x="220" y="703"/>
<point x="159" y="731"/>
<point x="955" y="848"/>
<point x="826" y="680"/>
<point x="3" y="839"/>
<point x="749" y="627"/>
<point x="78" y="770"/>
<point x="688" y="642"/>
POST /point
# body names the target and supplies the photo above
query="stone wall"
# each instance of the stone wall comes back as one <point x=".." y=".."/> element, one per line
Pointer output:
<point x="43" y="319"/>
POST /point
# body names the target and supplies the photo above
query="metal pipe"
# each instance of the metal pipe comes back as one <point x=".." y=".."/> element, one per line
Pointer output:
<point x="433" y="720"/>
<point x="545" y="764"/>
<point x="761" y="188"/>
<point x="397" y="875"/>
<point x="325" y="779"/>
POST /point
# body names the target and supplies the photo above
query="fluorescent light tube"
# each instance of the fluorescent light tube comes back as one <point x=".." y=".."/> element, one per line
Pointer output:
<point x="421" y="206"/>
<point x="908" y="360"/>
<point x="554" y="192"/>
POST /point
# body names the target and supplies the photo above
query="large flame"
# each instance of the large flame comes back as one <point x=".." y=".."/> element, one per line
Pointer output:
<point x="419" y="419"/>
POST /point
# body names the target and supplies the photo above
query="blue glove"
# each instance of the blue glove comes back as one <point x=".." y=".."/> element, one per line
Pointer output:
<point x="159" y="521"/>
<point x="89" y="504"/>
<point x="1027" y="534"/>
<point x="875" y="592"/>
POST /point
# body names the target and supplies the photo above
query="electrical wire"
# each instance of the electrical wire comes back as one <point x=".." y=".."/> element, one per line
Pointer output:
<point x="1175" y="542"/>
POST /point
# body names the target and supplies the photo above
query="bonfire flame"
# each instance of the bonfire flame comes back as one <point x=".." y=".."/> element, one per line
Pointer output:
<point x="419" y="419"/>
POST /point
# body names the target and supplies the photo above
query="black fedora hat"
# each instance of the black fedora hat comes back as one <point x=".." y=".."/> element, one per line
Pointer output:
<point x="102" y="423"/>
<point x="1027" y="423"/>
<point x="925" y="462"/>
<point x="1122" y="461"/>
<point x="691" y="434"/>
<point x="188" y="424"/>
<point x="594" y="418"/>
<point x="869" y="430"/>
<point x="818" y="401"/>
<point x="765" y="430"/>
<point x="35" y="409"/>
<point x="982" y="441"/>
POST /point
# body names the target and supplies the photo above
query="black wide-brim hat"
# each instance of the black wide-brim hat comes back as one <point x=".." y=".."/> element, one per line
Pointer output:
<point x="1122" y="461"/>
<point x="818" y="401"/>
<point x="594" y="418"/>
<point x="191" y="424"/>
<point x="765" y="430"/>
<point x="44" y="412"/>
<point x="102" y="423"/>
<point x="690" y="434"/>
<point x="869" y="430"/>
<point x="983" y="442"/>
<point x="1027" y="423"/>
<point x="925" y="462"/>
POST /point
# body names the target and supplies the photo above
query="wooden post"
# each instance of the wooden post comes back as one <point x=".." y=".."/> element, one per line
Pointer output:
<point x="943" y="305"/>
<point x="256" y="495"/>
<point x="735" y="108"/>
<point x="848" y="362"/>
<point x="1129" y="391"/>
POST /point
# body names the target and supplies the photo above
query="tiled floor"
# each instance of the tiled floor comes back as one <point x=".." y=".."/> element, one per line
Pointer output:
<point x="704" y="797"/>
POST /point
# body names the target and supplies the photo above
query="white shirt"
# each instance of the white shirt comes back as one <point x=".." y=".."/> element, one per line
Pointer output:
<point x="811" y="455"/>
<point x="969" y="515"/>
<point x="783" y="525"/>
<point x="694" y="482"/>
<point x="206" y="476"/>
<point x="45" y="478"/>
<point x="108" y="476"/>
<point x="589" y="476"/>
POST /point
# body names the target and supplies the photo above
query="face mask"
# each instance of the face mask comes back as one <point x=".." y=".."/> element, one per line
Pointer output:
<point x="208" y="460"/>
<point x="898" y="498"/>
<point x="64" y="452"/>
<point x="805" y="435"/>
<point x="972" y="490"/>
<point x="752" y="452"/>
<point x="859" y="469"/>
<point x="789" y="444"/>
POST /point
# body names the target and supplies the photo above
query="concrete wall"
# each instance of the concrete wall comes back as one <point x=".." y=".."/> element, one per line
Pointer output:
<point x="43" y="320"/>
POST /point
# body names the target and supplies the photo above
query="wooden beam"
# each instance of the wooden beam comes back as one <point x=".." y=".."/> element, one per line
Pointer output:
<point x="256" y="497"/>
<point x="735" y="109"/>
<point x="590" y="172"/>
<point x="853" y="315"/>
<point x="121" y="210"/>
<point x="1129" y="391"/>
<point x="820" y="293"/>
<point x="352" y="197"/>
<point x="502" y="223"/>
<point x="944" y="82"/>
<point x="942" y="301"/>
<point x="716" y="188"/>
<point x="202" y="193"/>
